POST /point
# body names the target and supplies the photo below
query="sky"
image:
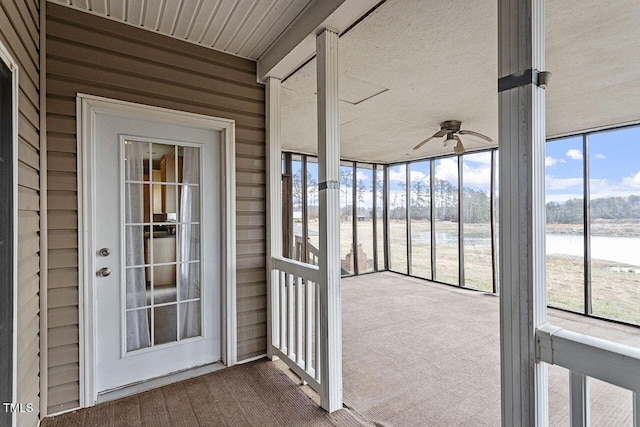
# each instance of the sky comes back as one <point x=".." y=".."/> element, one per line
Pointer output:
<point x="614" y="162"/>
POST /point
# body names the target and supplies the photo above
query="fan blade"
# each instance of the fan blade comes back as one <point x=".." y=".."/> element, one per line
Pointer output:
<point x="479" y="135"/>
<point x="425" y="141"/>
<point x="459" y="148"/>
<point x="440" y="133"/>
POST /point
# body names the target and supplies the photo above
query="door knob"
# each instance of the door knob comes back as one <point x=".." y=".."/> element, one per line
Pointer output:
<point x="104" y="272"/>
<point x="104" y="252"/>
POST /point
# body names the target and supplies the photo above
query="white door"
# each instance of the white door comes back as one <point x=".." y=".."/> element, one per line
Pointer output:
<point x="157" y="249"/>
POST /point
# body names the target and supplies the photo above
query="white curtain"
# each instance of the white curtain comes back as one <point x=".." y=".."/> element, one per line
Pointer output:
<point x="137" y="321"/>
<point x="189" y="285"/>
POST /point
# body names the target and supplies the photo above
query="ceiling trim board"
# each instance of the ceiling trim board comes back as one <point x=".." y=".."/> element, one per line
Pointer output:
<point x="296" y="45"/>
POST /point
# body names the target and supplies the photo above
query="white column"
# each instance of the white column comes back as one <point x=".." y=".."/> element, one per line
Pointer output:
<point x="522" y="215"/>
<point x="329" y="260"/>
<point x="274" y="211"/>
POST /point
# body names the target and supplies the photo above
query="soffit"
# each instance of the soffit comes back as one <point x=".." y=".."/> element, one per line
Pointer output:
<point x="244" y="28"/>
<point x="430" y="61"/>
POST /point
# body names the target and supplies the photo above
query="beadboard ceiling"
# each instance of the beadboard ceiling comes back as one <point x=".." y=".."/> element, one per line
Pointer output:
<point x="244" y="28"/>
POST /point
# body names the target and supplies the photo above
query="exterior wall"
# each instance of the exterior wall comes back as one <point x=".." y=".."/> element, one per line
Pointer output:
<point x="19" y="33"/>
<point x="97" y="56"/>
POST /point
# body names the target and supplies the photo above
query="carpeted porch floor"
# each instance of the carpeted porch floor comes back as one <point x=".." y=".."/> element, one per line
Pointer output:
<point x="254" y="394"/>
<point x="415" y="353"/>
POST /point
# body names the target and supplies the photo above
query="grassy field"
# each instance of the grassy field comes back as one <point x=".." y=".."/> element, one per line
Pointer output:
<point x="615" y="290"/>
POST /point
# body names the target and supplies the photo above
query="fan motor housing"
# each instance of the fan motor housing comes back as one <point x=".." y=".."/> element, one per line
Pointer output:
<point x="451" y="125"/>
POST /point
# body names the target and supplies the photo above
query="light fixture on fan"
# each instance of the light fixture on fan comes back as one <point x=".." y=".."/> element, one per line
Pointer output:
<point x="450" y="142"/>
<point x="451" y="129"/>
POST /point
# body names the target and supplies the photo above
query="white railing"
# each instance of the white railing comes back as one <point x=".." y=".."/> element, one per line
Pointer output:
<point x="586" y="356"/>
<point x="296" y="318"/>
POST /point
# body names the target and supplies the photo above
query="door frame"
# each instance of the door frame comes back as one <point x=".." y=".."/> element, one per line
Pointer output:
<point x="87" y="107"/>
<point x="8" y="60"/>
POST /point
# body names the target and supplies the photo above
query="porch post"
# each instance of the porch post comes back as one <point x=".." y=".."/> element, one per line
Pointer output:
<point x="521" y="51"/>
<point x="329" y="198"/>
<point x="274" y="211"/>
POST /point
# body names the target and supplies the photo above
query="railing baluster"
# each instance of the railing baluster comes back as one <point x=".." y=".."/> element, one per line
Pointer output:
<point x="636" y="410"/>
<point x="579" y="398"/>
<point x="308" y="338"/>
<point x="274" y="292"/>
<point x="317" y="333"/>
<point x="298" y="320"/>
<point x="283" y="324"/>
<point x="290" y="282"/>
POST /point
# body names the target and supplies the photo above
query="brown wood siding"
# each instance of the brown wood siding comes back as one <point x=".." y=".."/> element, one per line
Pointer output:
<point x="92" y="55"/>
<point x="19" y="33"/>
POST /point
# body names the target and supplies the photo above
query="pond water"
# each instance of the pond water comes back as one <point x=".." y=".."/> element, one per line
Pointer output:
<point x="617" y="249"/>
<point x="608" y="248"/>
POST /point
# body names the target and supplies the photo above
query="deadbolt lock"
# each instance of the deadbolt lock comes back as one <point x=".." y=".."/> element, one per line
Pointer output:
<point x="104" y="252"/>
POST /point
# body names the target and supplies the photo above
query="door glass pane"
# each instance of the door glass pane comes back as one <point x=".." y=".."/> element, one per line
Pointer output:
<point x="614" y="164"/>
<point x="189" y="319"/>
<point x="134" y="194"/>
<point x="164" y="243"/>
<point x="346" y="218"/>
<point x="188" y="204"/>
<point x="165" y="324"/>
<point x="564" y="190"/>
<point x="136" y="296"/>
<point x="446" y="220"/>
<point x="189" y="242"/>
<point x="138" y="332"/>
<point x="164" y="283"/>
<point x="188" y="165"/>
<point x="189" y="277"/>
<point x="398" y="219"/>
<point x="476" y="220"/>
<point x="364" y="215"/>
<point x="421" y="219"/>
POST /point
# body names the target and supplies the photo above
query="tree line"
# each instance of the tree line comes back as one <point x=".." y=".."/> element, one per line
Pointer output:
<point x="607" y="208"/>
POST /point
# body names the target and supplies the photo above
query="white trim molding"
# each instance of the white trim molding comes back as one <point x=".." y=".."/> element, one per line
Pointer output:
<point x="44" y="221"/>
<point x="274" y="204"/>
<point x="6" y="57"/>
<point x="87" y="108"/>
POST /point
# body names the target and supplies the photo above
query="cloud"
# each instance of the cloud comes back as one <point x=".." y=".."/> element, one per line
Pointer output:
<point x="551" y="161"/>
<point x="419" y="176"/>
<point x="476" y="177"/>
<point x="397" y="174"/>
<point x="363" y="176"/>
<point x="482" y="158"/>
<point x="574" y="154"/>
<point x="600" y="156"/>
<point x="632" y="181"/>
<point x="473" y="176"/>
<point x="557" y="184"/>
<point x="447" y="169"/>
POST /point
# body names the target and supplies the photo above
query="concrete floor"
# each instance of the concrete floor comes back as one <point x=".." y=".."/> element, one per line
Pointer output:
<point x="420" y="353"/>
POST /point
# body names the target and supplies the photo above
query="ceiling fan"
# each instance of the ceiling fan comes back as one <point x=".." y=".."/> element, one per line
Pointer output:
<point x="451" y="129"/>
